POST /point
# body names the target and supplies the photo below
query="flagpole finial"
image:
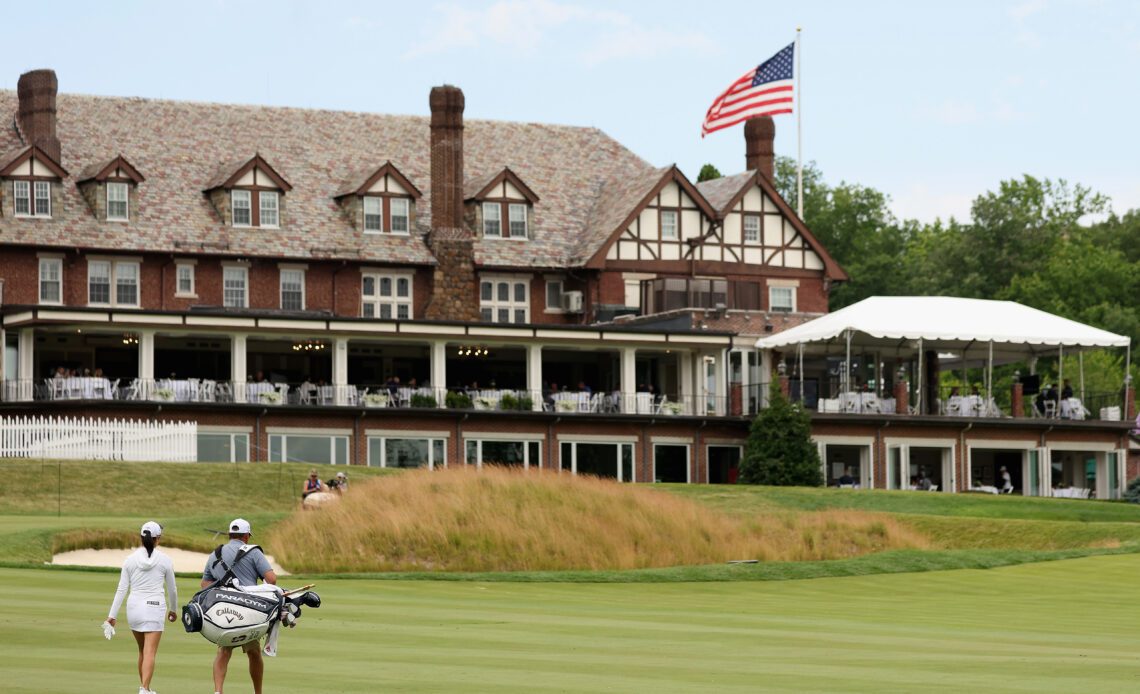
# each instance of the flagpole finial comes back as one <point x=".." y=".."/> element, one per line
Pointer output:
<point x="799" y="29"/>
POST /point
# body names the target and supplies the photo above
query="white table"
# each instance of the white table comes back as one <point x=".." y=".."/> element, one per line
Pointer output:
<point x="1073" y="408"/>
<point x="584" y="402"/>
<point x="254" y="391"/>
<point x="1072" y="493"/>
<point x="185" y="390"/>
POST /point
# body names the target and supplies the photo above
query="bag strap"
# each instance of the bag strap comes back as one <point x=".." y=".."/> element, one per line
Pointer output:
<point x="228" y="576"/>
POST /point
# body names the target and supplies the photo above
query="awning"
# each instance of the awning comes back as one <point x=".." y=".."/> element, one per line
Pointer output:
<point x="945" y="323"/>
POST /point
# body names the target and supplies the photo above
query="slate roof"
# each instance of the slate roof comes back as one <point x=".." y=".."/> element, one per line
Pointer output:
<point x="182" y="147"/>
<point x="615" y="202"/>
<point x="720" y="191"/>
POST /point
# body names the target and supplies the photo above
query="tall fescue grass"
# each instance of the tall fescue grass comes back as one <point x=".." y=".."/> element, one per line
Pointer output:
<point x="512" y="520"/>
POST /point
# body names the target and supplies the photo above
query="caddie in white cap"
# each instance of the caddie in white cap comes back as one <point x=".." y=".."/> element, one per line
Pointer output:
<point x="252" y="566"/>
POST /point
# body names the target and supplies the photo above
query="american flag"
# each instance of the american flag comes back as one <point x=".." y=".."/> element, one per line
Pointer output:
<point x="766" y="90"/>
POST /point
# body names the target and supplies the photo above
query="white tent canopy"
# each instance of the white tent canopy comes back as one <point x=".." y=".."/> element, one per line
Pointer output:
<point x="946" y="323"/>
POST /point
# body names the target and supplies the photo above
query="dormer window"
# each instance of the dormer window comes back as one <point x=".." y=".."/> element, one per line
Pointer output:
<point x="242" y="213"/>
<point x="380" y="201"/>
<point x="108" y="187"/>
<point x="117" y="206"/>
<point x="31" y="174"/>
<point x="249" y="194"/>
<point x="504" y="205"/>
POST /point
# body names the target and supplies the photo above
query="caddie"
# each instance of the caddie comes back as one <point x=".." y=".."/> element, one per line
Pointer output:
<point x="252" y="566"/>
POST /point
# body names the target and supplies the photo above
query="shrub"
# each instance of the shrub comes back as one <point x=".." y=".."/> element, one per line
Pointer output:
<point x="422" y="400"/>
<point x="457" y="401"/>
<point x="780" y="450"/>
<point x="512" y="402"/>
<point x="1132" y="492"/>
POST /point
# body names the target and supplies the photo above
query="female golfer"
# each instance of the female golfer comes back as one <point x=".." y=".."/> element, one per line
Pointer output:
<point x="146" y="571"/>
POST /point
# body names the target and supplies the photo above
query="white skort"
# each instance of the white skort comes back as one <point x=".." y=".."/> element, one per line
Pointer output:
<point x="146" y="612"/>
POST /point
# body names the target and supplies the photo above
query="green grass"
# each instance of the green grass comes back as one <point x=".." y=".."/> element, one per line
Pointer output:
<point x="750" y="499"/>
<point x="1054" y="627"/>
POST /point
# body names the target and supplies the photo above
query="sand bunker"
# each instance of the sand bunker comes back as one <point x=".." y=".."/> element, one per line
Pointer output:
<point x="184" y="560"/>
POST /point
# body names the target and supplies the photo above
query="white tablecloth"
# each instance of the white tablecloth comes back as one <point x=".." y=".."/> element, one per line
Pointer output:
<point x="253" y="391"/>
<point x="82" y="388"/>
<point x="184" y="390"/>
<point x="1072" y="493"/>
<point x="1072" y="408"/>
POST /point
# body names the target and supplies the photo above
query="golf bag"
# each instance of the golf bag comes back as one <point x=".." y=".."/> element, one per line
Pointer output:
<point x="230" y="614"/>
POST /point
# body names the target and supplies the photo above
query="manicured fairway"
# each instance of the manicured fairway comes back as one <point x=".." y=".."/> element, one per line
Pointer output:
<point x="1066" y="626"/>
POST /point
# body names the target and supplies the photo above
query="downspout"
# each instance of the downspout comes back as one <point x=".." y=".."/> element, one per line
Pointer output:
<point x="356" y="438"/>
<point x="257" y="433"/>
<point x="550" y="443"/>
<point x="460" y="449"/>
<point x="697" y="458"/>
<point x="962" y="448"/>
<point x="1043" y="436"/>
<point x="875" y="453"/>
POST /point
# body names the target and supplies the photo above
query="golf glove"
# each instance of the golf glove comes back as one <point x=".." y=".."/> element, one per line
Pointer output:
<point x="108" y="630"/>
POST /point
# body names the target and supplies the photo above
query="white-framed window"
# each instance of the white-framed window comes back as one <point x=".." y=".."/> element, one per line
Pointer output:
<point x="184" y="280"/>
<point x="507" y="452"/>
<point x="22" y="198"/>
<point x="386" y="295"/>
<point x="504" y="299"/>
<point x="51" y="280"/>
<point x="240" y="208"/>
<point x="292" y="289"/>
<point x="517" y="215"/>
<point x="373" y="215"/>
<point x="112" y="283"/>
<point x="43" y="198"/>
<point x="407" y="452"/>
<point x="782" y="299"/>
<point x="400" y="217"/>
<point x="268" y="208"/>
<point x="668" y="224"/>
<point x="308" y="448"/>
<point x="223" y="447"/>
<point x="751" y="228"/>
<point x="554" y="295"/>
<point x="492" y="220"/>
<point x="235" y="281"/>
<point x="600" y="458"/>
<point x="117" y="202"/>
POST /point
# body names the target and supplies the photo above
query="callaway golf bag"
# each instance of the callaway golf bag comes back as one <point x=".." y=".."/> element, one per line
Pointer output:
<point x="230" y="614"/>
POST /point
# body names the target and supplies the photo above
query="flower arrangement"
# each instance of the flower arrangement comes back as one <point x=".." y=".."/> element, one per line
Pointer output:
<point x="376" y="400"/>
<point x="270" y="397"/>
<point x="164" y="394"/>
<point x="672" y="408"/>
<point x="567" y="406"/>
<point x="482" y="403"/>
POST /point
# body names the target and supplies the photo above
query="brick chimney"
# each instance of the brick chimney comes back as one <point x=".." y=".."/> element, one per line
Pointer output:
<point x="454" y="295"/>
<point x="36" y="91"/>
<point x="759" y="134"/>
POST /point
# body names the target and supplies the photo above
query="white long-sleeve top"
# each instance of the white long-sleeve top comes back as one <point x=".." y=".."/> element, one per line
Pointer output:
<point x="146" y="576"/>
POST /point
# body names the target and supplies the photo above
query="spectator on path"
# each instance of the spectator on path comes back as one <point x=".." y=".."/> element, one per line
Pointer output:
<point x="312" y="485"/>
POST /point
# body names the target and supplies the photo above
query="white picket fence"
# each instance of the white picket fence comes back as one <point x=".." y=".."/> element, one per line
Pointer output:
<point x="74" y="438"/>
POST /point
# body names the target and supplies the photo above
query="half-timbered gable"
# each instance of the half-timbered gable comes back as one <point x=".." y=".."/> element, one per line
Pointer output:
<point x="665" y="226"/>
<point x="380" y="201"/>
<point x="111" y="189"/>
<point x="249" y="193"/>
<point x="500" y="205"/>
<point x="31" y="180"/>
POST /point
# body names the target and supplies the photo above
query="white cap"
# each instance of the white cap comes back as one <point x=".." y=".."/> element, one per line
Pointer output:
<point x="240" y="526"/>
<point x="151" y="528"/>
<point x="341" y="475"/>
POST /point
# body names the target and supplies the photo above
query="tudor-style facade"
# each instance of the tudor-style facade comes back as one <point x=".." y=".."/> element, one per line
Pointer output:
<point x="271" y="283"/>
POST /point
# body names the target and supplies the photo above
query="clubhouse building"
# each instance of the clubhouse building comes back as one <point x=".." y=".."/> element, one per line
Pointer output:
<point x="409" y="291"/>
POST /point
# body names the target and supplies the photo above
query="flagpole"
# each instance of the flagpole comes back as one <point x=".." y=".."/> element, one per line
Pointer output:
<point x="799" y="131"/>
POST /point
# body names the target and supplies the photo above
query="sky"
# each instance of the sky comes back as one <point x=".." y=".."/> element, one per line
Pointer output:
<point x="931" y="103"/>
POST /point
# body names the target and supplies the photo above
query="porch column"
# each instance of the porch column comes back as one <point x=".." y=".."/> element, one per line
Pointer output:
<point x="628" y="380"/>
<point x="25" y="365"/>
<point x="340" y="371"/>
<point x="765" y="381"/>
<point x="237" y="366"/>
<point x="721" y="386"/>
<point x="146" y="364"/>
<point x="439" y="372"/>
<point x="685" y="376"/>
<point x="534" y="376"/>
<point x="745" y="382"/>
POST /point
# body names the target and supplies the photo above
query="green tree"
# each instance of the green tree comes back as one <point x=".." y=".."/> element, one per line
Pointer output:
<point x="780" y="450"/>
<point x="708" y="172"/>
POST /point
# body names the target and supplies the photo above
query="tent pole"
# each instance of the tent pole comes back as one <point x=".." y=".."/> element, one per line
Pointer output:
<point x="847" y="366"/>
<point x="1081" y="366"/>
<point x="1060" y="374"/>
<point x="918" y="392"/>
<point x="989" y="380"/>
<point x="1127" y="377"/>
<point x="801" y="370"/>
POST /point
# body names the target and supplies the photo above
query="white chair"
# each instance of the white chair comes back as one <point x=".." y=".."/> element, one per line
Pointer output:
<point x="933" y="488"/>
<point x="871" y="405"/>
<point x="132" y="390"/>
<point x="194" y="393"/>
<point x="224" y="392"/>
<point x="1050" y="409"/>
<point x="113" y="390"/>
<point x="56" y="388"/>
<point x="596" y="402"/>
<point x="207" y="391"/>
<point x="584" y="402"/>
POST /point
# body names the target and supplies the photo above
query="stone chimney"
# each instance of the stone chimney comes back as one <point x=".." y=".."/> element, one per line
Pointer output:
<point x="454" y="288"/>
<point x="759" y="134"/>
<point x="36" y="91"/>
